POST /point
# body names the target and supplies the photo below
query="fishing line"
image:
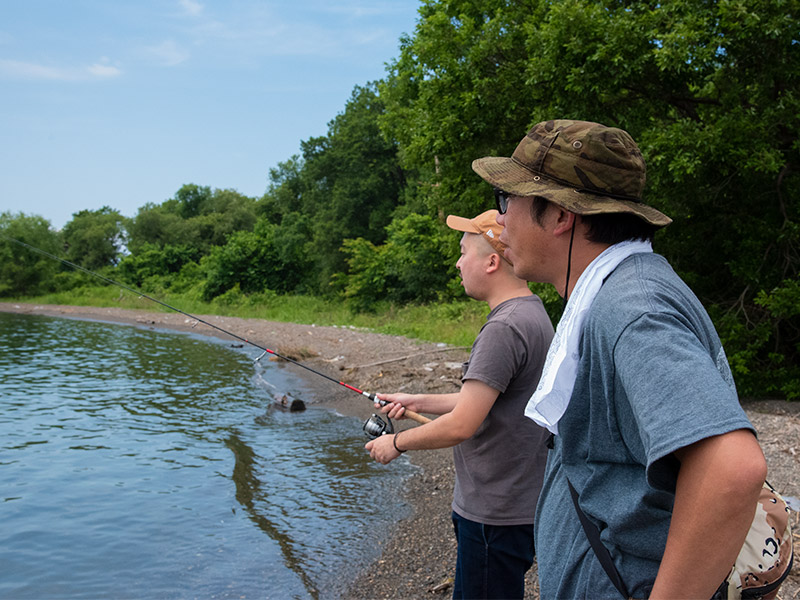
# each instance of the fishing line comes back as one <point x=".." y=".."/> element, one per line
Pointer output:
<point x="372" y="396"/>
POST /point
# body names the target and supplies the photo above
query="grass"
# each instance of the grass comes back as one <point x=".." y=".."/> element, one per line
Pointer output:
<point x="455" y="323"/>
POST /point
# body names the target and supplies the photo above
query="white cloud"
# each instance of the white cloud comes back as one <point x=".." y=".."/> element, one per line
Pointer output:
<point x="17" y="69"/>
<point x="361" y="10"/>
<point x="168" y="53"/>
<point x="103" y="70"/>
<point x="191" y="7"/>
<point x="261" y="29"/>
<point x="25" y="70"/>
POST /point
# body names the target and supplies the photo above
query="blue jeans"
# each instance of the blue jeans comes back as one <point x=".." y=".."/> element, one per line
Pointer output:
<point x="492" y="559"/>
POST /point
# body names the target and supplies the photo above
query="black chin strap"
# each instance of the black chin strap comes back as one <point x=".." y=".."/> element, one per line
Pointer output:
<point x="569" y="263"/>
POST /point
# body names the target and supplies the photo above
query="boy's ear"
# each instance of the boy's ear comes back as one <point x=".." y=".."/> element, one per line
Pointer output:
<point x="494" y="262"/>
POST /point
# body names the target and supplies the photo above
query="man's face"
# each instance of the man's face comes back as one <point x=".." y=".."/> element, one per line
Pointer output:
<point x="526" y="240"/>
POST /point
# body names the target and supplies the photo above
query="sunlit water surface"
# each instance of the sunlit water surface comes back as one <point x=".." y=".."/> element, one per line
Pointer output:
<point x="148" y="464"/>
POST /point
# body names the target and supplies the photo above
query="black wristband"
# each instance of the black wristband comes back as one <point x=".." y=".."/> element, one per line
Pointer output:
<point x="394" y="443"/>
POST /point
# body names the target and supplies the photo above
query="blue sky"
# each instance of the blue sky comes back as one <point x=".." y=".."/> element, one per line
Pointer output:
<point x="119" y="103"/>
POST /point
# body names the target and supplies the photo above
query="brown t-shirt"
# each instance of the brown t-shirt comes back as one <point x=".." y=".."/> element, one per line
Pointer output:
<point x="499" y="470"/>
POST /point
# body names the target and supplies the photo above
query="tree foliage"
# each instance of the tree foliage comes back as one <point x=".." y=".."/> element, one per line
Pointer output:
<point x="458" y="92"/>
<point x="347" y="182"/>
<point x="708" y="89"/>
<point x="154" y="262"/>
<point x="22" y="271"/>
<point x="95" y="238"/>
<point x="198" y="217"/>
<point x="271" y="257"/>
<point x="407" y="268"/>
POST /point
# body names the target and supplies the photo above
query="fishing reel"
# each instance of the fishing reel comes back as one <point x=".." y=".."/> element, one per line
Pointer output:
<point x="375" y="427"/>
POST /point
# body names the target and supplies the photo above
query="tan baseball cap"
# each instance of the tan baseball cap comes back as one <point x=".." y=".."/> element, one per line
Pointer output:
<point x="485" y="225"/>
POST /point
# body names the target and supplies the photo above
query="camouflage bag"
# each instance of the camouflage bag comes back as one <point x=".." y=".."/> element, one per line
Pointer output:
<point x="763" y="562"/>
<point x="766" y="556"/>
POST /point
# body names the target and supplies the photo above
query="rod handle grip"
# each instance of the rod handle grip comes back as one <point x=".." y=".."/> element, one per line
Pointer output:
<point x="414" y="416"/>
<point x="410" y="414"/>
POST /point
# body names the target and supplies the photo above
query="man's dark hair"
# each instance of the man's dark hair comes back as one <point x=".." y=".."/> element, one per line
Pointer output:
<point x="538" y="207"/>
<point x="606" y="228"/>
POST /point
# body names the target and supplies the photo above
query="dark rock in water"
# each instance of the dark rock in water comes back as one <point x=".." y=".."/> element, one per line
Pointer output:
<point x="281" y="402"/>
<point x="291" y="404"/>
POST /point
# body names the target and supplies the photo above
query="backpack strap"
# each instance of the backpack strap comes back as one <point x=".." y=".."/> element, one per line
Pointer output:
<point x="600" y="551"/>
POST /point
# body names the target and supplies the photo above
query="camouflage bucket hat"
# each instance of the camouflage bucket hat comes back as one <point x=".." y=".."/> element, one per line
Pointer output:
<point x="584" y="167"/>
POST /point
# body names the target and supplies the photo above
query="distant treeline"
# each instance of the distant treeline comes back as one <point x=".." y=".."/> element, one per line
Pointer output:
<point x="709" y="89"/>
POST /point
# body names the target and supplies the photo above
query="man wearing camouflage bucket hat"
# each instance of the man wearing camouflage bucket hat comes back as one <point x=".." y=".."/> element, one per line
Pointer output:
<point x="650" y="442"/>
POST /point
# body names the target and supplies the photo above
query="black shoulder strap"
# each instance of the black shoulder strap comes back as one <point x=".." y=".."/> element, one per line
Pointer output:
<point x="602" y="553"/>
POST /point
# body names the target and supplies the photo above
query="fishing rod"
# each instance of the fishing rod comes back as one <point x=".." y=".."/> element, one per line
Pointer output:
<point x="374" y="427"/>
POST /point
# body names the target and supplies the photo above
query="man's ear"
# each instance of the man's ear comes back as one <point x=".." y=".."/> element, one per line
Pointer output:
<point x="564" y="221"/>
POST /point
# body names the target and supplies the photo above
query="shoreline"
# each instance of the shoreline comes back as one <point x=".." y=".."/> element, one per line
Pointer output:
<point x="419" y="557"/>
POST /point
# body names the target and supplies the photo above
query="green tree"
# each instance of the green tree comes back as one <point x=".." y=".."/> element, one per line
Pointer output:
<point x="24" y="272"/>
<point x="458" y="91"/>
<point x="347" y="183"/>
<point x="95" y="238"/>
<point x="416" y="264"/>
<point x="707" y="87"/>
<point x="710" y="91"/>
<point x="156" y="225"/>
<point x="197" y="217"/>
<point x="191" y="199"/>
<point x="271" y="257"/>
<point x="285" y="190"/>
<point x="154" y="262"/>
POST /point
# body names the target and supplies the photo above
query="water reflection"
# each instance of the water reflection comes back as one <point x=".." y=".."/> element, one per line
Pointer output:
<point x="137" y="463"/>
<point x="250" y="495"/>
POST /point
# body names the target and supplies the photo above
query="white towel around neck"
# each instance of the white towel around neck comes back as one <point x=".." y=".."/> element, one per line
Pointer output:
<point x="550" y="400"/>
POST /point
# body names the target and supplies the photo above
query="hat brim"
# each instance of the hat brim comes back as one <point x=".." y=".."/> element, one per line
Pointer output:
<point x="512" y="177"/>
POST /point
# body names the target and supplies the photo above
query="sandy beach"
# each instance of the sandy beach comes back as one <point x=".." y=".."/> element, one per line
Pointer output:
<point x="418" y="559"/>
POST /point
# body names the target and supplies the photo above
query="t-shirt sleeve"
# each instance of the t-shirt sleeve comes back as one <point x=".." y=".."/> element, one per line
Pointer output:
<point x="677" y="391"/>
<point x="496" y="356"/>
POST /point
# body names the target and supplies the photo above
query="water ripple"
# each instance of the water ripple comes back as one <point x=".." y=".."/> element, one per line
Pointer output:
<point x="138" y="463"/>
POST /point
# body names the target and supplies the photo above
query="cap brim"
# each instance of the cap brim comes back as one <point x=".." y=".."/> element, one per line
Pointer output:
<point x="461" y="224"/>
<point x="514" y="178"/>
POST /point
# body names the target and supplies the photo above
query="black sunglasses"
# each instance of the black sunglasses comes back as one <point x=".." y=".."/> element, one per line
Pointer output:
<point x="501" y="199"/>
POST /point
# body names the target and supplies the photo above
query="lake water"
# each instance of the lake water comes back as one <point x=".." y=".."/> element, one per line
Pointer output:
<point x="148" y="464"/>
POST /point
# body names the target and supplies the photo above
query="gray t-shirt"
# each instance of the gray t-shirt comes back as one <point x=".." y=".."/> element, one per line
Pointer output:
<point x="499" y="469"/>
<point x="652" y="378"/>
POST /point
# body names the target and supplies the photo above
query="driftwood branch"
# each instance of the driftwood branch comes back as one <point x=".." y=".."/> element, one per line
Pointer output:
<point x="399" y="358"/>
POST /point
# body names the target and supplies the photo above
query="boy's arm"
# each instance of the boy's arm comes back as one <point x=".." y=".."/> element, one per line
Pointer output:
<point x="474" y="402"/>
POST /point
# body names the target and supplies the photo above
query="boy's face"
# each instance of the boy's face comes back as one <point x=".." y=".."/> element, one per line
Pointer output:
<point x="472" y="263"/>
